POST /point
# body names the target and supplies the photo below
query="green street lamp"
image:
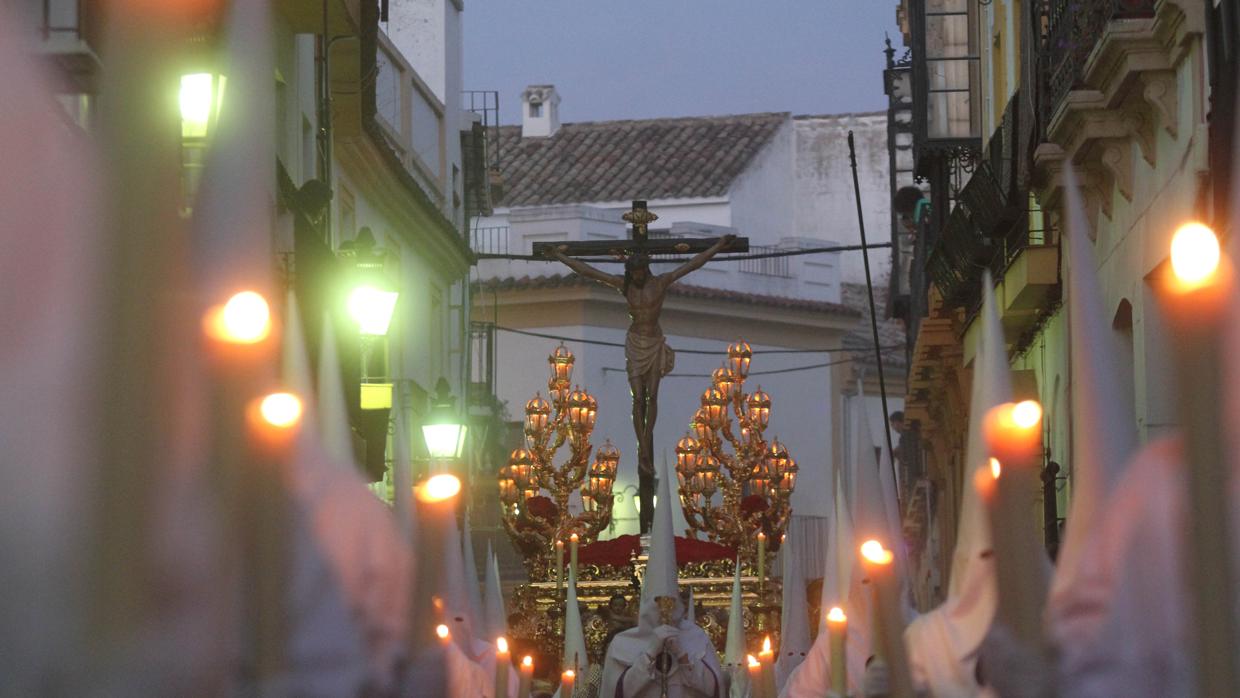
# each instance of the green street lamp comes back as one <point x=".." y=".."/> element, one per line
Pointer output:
<point x="200" y="98"/>
<point x="372" y="299"/>
<point x="444" y="431"/>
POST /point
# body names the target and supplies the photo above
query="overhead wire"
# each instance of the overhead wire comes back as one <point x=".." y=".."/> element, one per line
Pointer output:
<point x="675" y="260"/>
<point x="769" y="372"/>
<point x="709" y="352"/>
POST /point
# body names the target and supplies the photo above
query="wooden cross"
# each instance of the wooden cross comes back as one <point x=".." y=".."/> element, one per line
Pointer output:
<point x="638" y="241"/>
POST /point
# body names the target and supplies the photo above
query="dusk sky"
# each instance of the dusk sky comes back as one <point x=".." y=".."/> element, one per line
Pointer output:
<point x="623" y="59"/>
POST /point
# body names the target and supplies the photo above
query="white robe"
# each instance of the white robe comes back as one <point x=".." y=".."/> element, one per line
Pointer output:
<point x="628" y="671"/>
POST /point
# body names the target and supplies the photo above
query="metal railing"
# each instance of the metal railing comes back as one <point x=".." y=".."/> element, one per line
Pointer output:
<point x="489" y="240"/>
<point x="769" y="266"/>
<point x="1074" y="27"/>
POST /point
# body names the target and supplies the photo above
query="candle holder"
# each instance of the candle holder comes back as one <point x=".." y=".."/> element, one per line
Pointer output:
<point x="733" y="482"/>
<point x="534" y="490"/>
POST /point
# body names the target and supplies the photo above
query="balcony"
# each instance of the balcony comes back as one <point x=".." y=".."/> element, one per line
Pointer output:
<point x="333" y="17"/>
<point x="1074" y="28"/>
<point x="70" y="33"/>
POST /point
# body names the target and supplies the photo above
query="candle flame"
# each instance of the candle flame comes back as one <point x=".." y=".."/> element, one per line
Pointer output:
<point x="559" y="545"/>
<point x="438" y="488"/>
<point x="573" y="538"/>
<point x="245" y="318"/>
<point x="761" y="535"/>
<point x="569" y="673"/>
<point x="874" y="551"/>
<point x="995" y="468"/>
<point x="501" y="644"/>
<point x="1195" y="255"/>
<point x="836" y="615"/>
<point x="527" y="661"/>
<point x="442" y="631"/>
<point x="766" y="644"/>
<point x="753" y="662"/>
<point x="282" y="410"/>
<point x="1026" y="414"/>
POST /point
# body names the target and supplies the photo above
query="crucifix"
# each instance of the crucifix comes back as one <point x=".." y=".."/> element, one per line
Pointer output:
<point x="647" y="356"/>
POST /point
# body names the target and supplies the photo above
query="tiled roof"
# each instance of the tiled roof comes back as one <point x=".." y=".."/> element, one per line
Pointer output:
<point x="640" y="159"/>
<point x="679" y="289"/>
<point x="890" y="332"/>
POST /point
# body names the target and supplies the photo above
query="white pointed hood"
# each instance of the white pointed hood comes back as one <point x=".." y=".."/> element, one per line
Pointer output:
<point x="660" y="578"/>
<point x="734" y="652"/>
<point x="575" y="656"/>
<point x="943" y="643"/>
<point x="496" y="615"/>
<point x="333" y="415"/>
<point x="472" y="589"/>
<point x="1103" y="425"/>
<point x="794" y="639"/>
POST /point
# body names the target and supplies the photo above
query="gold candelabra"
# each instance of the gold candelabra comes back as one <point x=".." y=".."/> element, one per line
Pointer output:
<point x="535" y="521"/>
<point x="730" y="497"/>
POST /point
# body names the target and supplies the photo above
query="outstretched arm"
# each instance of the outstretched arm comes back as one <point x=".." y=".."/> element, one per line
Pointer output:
<point x="700" y="259"/>
<point x="587" y="271"/>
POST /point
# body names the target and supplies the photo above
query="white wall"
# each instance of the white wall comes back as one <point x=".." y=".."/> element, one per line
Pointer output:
<point x="825" y="207"/>
<point x="762" y="197"/>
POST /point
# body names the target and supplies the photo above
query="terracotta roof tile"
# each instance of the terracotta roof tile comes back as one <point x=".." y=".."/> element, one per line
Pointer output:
<point x="680" y="289"/>
<point x="622" y="160"/>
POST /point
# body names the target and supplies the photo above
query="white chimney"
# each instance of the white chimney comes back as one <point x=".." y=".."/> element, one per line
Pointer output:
<point x="540" y="111"/>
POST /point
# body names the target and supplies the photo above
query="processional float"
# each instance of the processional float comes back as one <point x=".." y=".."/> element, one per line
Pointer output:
<point x="735" y="489"/>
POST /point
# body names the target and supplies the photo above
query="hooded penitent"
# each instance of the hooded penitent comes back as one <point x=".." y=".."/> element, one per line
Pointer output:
<point x="734" y="651"/>
<point x="1104" y="435"/>
<point x="631" y="668"/>
<point x="943" y="643"/>
<point x="794" y="640"/>
<point x="575" y="657"/>
<point x="496" y="615"/>
<point x="812" y="678"/>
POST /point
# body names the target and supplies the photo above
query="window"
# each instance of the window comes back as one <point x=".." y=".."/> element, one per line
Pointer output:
<point x="535" y="110"/>
<point x="945" y="36"/>
<point x="387" y="90"/>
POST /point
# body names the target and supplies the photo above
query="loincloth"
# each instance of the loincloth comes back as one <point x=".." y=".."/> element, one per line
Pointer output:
<point x="647" y="355"/>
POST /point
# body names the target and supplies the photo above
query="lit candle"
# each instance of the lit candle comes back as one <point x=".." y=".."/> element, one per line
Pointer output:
<point x="503" y="664"/>
<point x="757" y="689"/>
<point x="837" y="633"/>
<point x="559" y="567"/>
<point x="572" y="556"/>
<point x="527" y="677"/>
<point x="567" y="680"/>
<point x="767" y="659"/>
<point x="889" y="626"/>
<point x="761" y="557"/>
<point x="1195" y="299"/>
<point x="435" y="499"/>
<point x="1013" y="433"/>
<point x="444" y="635"/>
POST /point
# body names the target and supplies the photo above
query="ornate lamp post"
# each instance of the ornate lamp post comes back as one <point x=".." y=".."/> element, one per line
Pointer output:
<point x="534" y="520"/>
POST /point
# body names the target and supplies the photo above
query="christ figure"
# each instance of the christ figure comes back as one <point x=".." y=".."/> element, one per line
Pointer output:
<point x="647" y="356"/>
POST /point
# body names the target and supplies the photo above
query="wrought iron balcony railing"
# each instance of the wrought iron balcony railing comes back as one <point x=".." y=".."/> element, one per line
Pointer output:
<point x="1074" y="27"/>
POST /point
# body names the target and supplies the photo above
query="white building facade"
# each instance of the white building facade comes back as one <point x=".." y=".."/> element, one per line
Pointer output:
<point x="772" y="178"/>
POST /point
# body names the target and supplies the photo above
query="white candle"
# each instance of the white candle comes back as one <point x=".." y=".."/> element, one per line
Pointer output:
<point x="527" y="677"/>
<point x="572" y="560"/>
<point x="567" y="680"/>
<point x="877" y="563"/>
<point x="503" y="664"/>
<point x="559" y="567"/>
<point x="837" y="629"/>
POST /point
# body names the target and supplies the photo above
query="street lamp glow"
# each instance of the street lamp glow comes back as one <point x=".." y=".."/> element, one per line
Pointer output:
<point x="444" y="432"/>
<point x="438" y="488"/>
<point x="1195" y="254"/>
<point x="244" y="319"/>
<point x="372" y="308"/>
<point x="199" y="99"/>
<point x="281" y="410"/>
